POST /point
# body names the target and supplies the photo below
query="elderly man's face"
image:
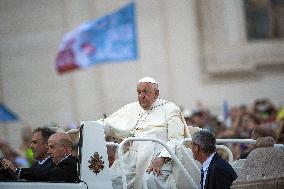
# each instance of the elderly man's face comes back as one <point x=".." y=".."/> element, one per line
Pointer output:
<point x="147" y="94"/>
<point x="56" y="150"/>
<point x="39" y="146"/>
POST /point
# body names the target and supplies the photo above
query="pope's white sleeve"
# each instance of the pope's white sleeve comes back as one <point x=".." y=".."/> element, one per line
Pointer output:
<point x="112" y="124"/>
<point x="176" y="130"/>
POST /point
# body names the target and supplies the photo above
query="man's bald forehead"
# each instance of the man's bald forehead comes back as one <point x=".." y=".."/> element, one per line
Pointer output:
<point x="60" y="136"/>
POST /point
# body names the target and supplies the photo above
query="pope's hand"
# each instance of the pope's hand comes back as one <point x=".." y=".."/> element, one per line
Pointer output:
<point x="156" y="166"/>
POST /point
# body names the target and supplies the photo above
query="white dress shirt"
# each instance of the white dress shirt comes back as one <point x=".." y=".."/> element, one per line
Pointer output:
<point x="205" y="167"/>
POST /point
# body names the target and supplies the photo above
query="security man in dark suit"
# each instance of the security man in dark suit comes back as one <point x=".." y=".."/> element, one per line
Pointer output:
<point x="39" y="147"/>
<point x="65" y="165"/>
<point x="216" y="173"/>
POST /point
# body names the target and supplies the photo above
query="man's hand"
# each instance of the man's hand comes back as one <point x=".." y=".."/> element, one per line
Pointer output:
<point x="9" y="165"/>
<point x="156" y="166"/>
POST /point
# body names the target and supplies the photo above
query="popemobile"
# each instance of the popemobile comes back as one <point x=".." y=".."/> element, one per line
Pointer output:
<point x="93" y="167"/>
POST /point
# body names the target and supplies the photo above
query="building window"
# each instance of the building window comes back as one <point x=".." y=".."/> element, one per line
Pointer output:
<point x="264" y="19"/>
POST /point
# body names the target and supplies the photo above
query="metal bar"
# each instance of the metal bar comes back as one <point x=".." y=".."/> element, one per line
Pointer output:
<point x="176" y="160"/>
<point x="190" y="159"/>
<point x="247" y="141"/>
<point x="112" y="144"/>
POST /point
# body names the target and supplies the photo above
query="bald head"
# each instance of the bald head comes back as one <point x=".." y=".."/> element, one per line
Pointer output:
<point x="62" y="138"/>
<point x="59" y="145"/>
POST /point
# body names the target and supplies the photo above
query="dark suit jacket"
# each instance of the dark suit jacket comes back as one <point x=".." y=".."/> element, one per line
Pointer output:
<point x="220" y="174"/>
<point x="47" y="164"/>
<point x="65" y="171"/>
<point x="25" y="171"/>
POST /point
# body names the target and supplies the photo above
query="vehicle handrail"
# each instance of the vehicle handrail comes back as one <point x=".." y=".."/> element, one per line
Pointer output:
<point x="236" y="141"/>
<point x="116" y="145"/>
<point x="175" y="159"/>
<point x="227" y="140"/>
<point x="192" y="162"/>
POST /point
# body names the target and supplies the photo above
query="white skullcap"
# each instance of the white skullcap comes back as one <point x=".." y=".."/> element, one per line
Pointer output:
<point x="147" y="80"/>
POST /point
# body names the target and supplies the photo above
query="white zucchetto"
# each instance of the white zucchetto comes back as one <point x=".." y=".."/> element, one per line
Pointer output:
<point x="147" y="80"/>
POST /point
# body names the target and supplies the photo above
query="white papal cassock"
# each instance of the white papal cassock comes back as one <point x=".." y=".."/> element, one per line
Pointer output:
<point x="163" y="121"/>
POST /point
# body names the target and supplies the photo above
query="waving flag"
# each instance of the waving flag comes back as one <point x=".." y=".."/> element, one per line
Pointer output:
<point x="6" y="115"/>
<point x="111" y="38"/>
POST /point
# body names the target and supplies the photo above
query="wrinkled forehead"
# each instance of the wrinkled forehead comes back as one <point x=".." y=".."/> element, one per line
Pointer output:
<point x="145" y="85"/>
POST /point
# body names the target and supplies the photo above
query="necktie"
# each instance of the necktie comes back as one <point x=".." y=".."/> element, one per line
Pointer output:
<point x="202" y="176"/>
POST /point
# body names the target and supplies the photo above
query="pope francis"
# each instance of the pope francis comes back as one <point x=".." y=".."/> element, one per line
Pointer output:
<point x="148" y="165"/>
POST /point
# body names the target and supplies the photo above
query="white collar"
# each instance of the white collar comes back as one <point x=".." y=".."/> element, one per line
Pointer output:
<point x="66" y="156"/>
<point x="43" y="161"/>
<point x="206" y="164"/>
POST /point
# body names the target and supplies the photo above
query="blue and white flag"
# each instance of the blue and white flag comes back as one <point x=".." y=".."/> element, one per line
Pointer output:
<point x="7" y="115"/>
<point x="111" y="38"/>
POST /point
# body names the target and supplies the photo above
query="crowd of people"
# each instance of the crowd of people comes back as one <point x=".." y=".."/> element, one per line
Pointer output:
<point x="250" y="121"/>
<point x="149" y="165"/>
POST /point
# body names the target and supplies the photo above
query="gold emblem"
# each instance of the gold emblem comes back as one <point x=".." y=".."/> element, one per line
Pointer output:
<point x="96" y="163"/>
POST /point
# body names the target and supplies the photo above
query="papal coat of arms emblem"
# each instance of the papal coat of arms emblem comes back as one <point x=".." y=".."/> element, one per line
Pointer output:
<point x="96" y="163"/>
